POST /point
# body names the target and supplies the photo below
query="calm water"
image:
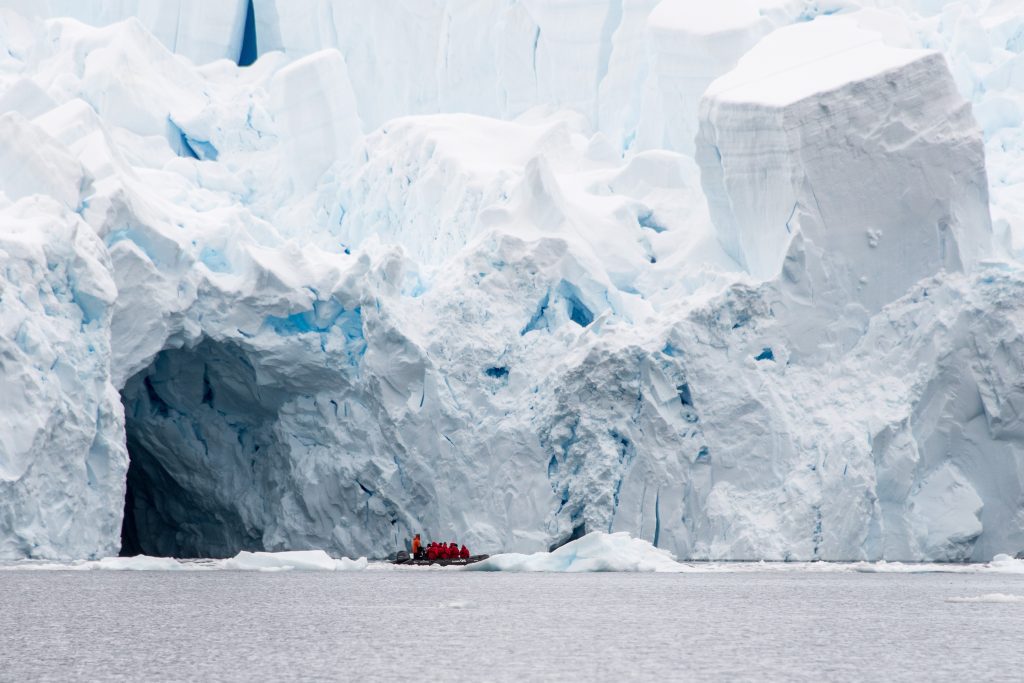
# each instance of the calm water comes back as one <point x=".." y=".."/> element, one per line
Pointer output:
<point x="386" y="625"/>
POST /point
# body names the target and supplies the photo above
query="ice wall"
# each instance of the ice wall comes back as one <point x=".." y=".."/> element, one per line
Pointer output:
<point x="329" y="328"/>
<point x="865" y="152"/>
<point x="62" y="458"/>
<point x="201" y="31"/>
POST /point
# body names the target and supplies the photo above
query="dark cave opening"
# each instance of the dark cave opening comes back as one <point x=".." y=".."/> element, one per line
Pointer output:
<point x="578" y="532"/>
<point x="201" y="442"/>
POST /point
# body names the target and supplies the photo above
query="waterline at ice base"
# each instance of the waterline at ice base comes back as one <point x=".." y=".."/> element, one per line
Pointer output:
<point x="736" y="280"/>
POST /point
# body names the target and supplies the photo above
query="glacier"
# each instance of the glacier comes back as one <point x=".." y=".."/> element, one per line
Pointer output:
<point x="743" y="283"/>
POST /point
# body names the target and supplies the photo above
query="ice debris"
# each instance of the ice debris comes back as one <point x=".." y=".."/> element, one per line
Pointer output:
<point x="293" y="560"/>
<point x="595" y="552"/>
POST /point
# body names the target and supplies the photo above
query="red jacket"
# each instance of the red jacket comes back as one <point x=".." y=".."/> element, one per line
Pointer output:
<point x="446" y="553"/>
<point x="432" y="552"/>
<point x="464" y="553"/>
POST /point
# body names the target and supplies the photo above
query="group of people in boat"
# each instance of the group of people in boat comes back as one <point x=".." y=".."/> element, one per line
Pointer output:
<point x="438" y="551"/>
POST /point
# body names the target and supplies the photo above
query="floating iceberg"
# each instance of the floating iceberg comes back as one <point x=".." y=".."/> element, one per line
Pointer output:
<point x="301" y="560"/>
<point x="595" y="552"/>
<point x="140" y="563"/>
<point x="298" y="560"/>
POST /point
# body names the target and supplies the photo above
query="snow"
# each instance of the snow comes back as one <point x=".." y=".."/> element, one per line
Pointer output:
<point x="743" y="283"/>
<point x="595" y="552"/>
<point x="808" y="60"/>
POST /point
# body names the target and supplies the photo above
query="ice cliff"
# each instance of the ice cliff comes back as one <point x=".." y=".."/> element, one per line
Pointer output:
<point x="743" y="283"/>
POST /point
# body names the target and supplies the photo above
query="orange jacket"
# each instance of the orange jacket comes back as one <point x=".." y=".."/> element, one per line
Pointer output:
<point x="415" y="544"/>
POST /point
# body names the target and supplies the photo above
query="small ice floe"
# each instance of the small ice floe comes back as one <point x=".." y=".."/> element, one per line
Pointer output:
<point x="595" y="552"/>
<point x="1004" y="564"/>
<point x="301" y="560"/>
<point x="457" y="604"/>
<point x="140" y="563"/>
<point x="989" y="597"/>
<point x="136" y="563"/>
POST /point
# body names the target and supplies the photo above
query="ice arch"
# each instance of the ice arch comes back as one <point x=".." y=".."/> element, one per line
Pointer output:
<point x="204" y="449"/>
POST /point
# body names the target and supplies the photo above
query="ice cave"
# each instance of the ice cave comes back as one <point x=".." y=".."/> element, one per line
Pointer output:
<point x="199" y="429"/>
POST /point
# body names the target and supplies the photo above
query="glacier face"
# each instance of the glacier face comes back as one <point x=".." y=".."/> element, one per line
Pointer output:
<point x="510" y="271"/>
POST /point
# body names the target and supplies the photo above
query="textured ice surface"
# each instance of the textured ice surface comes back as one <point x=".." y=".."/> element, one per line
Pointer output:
<point x="819" y="117"/>
<point x="433" y="268"/>
<point x="202" y="31"/>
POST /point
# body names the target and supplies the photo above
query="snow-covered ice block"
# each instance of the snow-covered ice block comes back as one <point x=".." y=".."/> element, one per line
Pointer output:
<point x="301" y="560"/>
<point x="944" y="514"/>
<point x="866" y="151"/>
<point x="139" y="563"/>
<point x="1004" y="564"/>
<point x="315" y="110"/>
<point x="691" y="44"/>
<point x="576" y="46"/>
<point x="595" y="552"/>
<point x="125" y="74"/>
<point x="26" y="98"/>
<point x="33" y="163"/>
<point x="77" y="126"/>
<point x="427" y="178"/>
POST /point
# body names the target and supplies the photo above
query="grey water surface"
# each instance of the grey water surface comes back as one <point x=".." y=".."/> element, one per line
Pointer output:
<point x="453" y="625"/>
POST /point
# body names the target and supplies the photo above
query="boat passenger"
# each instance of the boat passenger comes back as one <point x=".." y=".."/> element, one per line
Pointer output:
<point x="432" y="552"/>
<point x="416" y="545"/>
<point x="464" y="552"/>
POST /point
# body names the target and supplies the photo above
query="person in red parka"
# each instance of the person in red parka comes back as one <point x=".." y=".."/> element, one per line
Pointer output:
<point x="464" y="552"/>
<point x="432" y="552"/>
<point x="447" y="552"/>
